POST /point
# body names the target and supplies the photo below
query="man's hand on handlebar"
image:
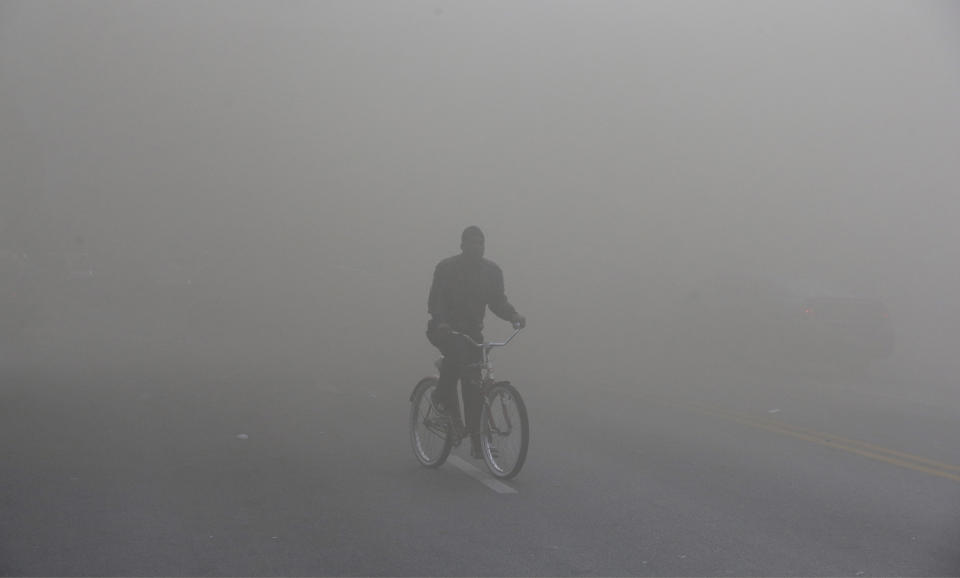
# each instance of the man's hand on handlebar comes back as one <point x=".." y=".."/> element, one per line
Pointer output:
<point x="519" y="321"/>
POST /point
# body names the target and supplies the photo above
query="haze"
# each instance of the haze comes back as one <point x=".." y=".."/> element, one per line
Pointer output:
<point x="267" y="187"/>
<point x="317" y="159"/>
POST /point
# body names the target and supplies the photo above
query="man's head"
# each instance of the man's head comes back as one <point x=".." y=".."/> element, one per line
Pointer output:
<point x="472" y="242"/>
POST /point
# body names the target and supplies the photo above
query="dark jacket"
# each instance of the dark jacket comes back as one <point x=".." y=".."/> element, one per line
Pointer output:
<point x="462" y="289"/>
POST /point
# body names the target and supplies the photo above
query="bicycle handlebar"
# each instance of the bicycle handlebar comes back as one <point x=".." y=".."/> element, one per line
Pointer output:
<point x="489" y="344"/>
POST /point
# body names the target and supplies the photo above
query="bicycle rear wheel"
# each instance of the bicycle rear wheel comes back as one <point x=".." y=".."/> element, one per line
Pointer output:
<point x="504" y="430"/>
<point x="428" y="429"/>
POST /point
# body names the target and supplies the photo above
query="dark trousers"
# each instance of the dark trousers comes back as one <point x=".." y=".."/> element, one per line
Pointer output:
<point x="457" y="354"/>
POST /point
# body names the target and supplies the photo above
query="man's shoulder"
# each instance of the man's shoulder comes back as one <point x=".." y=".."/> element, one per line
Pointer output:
<point x="491" y="267"/>
<point x="457" y="261"/>
<point x="448" y="262"/>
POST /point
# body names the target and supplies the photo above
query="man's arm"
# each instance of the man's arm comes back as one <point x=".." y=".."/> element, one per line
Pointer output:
<point x="499" y="303"/>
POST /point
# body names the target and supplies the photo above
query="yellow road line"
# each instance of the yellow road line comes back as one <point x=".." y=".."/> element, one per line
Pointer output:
<point x="902" y="459"/>
<point x="833" y="438"/>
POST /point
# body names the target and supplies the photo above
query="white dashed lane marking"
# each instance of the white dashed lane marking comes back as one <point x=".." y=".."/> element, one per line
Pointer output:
<point x="481" y="476"/>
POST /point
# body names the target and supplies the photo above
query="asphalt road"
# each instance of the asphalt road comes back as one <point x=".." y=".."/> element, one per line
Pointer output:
<point x="186" y="471"/>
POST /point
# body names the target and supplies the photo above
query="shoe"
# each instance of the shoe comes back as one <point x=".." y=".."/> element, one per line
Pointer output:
<point x="476" y="450"/>
<point x="477" y="453"/>
<point x="439" y="405"/>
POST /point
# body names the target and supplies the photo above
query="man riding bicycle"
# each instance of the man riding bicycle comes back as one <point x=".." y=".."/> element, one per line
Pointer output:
<point x="463" y="287"/>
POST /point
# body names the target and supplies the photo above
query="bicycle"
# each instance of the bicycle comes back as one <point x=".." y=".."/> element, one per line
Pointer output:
<point x="504" y="428"/>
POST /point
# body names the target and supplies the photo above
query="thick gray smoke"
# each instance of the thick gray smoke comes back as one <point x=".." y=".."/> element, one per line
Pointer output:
<point x="273" y="183"/>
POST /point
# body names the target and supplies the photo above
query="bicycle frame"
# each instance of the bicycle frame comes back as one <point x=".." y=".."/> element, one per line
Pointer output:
<point x="486" y="378"/>
<point x="502" y="429"/>
<point x="486" y="368"/>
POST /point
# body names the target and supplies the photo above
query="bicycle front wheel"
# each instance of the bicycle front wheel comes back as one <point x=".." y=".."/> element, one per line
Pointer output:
<point x="504" y="430"/>
<point x="428" y="429"/>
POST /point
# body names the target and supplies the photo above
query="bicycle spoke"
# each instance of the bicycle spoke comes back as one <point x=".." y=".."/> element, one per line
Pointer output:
<point x="505" y="435"/>
<point x="506" y="413"/>
<point x="428" y="430"/>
